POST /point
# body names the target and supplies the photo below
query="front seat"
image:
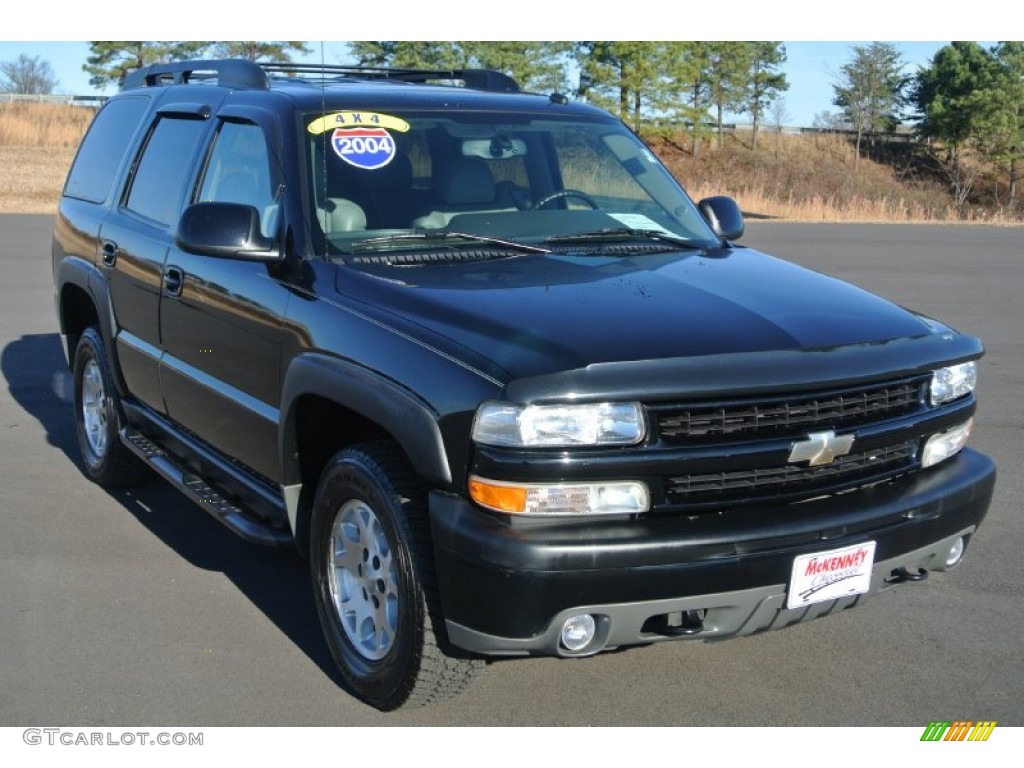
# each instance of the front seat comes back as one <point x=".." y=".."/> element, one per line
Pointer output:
<point x="465" y="185"/>
<point x="341" y="215"/>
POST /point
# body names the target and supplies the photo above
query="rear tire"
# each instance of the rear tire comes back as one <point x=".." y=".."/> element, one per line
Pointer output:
<point x="372" y="566"/>
<point x="97" y="418"/>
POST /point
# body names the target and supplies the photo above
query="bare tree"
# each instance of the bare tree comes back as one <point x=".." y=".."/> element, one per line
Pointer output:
<point x="27" y="75"/>
<point x="779" y="114"/>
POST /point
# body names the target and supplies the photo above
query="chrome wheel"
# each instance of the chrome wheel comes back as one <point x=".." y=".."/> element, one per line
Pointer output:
<point x="94" y="409"/>
<point x="363" y="580"/>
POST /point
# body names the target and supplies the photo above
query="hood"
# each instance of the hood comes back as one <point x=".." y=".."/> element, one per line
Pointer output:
<point x="536" y="314"/>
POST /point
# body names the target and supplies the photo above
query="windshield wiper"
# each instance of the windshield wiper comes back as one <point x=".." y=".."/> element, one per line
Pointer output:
<point x="623" y="233"/>
<point x="450" y="238"/>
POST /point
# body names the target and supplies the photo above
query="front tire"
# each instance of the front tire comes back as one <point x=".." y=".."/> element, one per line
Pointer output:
<point x="372" y="566"/>
<point x="97" y="418"/>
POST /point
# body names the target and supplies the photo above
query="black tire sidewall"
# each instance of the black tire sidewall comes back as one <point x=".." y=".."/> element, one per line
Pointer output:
<point x="90" y="347"/>
<point x="385" y="683"/>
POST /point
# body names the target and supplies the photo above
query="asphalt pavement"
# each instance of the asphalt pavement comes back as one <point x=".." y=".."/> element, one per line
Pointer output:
<point x="135" y="607"/>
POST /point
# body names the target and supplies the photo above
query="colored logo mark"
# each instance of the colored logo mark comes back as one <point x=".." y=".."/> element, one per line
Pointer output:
<point x="958" y="730"/>
<point x="366" y="148"/>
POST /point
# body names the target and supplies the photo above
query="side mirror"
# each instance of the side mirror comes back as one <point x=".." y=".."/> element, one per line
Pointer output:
<point x="724" y="216"/>
<point x="225" y="230"/>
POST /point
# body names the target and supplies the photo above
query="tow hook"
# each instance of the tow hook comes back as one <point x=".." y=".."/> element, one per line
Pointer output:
<point x="901" y="574"/>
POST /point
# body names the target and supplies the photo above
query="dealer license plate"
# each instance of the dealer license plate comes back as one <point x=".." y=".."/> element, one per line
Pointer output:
<point x="830" y="575"/>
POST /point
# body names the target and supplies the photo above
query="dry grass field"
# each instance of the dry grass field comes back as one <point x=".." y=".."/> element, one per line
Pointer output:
<point x="37" y="145"/>
<point x="797" y="178"/>
<point x="813" y="177"/>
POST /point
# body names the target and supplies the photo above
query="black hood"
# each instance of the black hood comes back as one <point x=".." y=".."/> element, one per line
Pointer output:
<point x="537" y="314"/>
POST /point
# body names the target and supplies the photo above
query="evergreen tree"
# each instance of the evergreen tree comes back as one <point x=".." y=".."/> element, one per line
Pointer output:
<point x="621" y="76"/>
<point x="110" y="61"/>
<point x="1006" y="142"/>
<point x="535" y="65"/>
<point x="277" y="51"/>
<point x="764" y="82"/>
<point x="870" y="90"/>
<point x="955" y="98"/>
<point x="727" y="75"/>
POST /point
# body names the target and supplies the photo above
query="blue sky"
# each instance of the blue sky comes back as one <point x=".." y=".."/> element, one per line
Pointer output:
<point x="813" y="59"/>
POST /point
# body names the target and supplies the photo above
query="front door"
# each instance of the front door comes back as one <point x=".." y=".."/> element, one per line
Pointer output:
<point x="221" y="318"/>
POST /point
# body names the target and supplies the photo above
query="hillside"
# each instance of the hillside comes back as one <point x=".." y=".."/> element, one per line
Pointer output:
<point x="793" y="177"/>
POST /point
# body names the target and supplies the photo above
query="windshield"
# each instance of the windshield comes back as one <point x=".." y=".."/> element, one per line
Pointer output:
<point x="514" y="178"/>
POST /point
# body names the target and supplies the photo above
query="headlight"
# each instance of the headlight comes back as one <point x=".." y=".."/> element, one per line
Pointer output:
<point x="552" y="426"/>
<point x="953" y="382"/>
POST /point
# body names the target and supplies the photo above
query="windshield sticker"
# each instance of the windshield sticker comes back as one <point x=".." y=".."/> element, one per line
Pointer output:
<point x="366" y="148"/>
<point x="639" y="221"/>
<point x="356" y="119"/>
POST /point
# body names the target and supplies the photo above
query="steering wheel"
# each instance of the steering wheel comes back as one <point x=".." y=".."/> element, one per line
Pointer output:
<point x="562" y="193"/>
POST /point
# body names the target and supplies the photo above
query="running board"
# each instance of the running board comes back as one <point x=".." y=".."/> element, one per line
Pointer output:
<point x="203" y="494"/>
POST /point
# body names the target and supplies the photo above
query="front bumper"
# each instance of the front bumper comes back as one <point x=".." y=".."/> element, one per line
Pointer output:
<point x="507" y="589"/>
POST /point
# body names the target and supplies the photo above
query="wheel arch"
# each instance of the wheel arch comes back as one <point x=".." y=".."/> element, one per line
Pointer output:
<point x="83" y="300"/>
<point x="328" y="404"/>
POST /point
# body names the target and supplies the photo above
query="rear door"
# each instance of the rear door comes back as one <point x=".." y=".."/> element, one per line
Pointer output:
<point x="135" y="239"/>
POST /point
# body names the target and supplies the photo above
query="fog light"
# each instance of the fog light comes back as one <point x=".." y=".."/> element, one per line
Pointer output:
<point x="578" y="631"/>
<point x="945" y="444"/>
<point x="956" y="552"/>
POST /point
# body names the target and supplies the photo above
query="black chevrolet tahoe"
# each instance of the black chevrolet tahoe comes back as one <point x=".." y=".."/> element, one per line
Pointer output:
<point x="476" y="354"/>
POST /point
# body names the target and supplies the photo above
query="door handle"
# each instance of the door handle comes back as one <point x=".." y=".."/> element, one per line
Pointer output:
<point x="108" y="252"/>
<point x="174" y="281"/>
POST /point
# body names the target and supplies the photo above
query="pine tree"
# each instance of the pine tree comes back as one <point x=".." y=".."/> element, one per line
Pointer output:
<point x="535" y="65"/>
<point x="110" y="61"/>
<point x="764" y="82"/>
<point x="954" y="97"/>
<point x="1006" y="143"/>
<point x="277" y="51"/>
<point x="870" y="90"/>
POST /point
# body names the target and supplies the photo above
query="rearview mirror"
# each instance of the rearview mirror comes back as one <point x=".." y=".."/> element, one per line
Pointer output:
<point x="225" y="230"/>
<point x="494" y="148"/>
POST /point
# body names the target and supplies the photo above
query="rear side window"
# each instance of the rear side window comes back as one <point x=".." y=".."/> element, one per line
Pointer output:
<point x="165" y="168"/>
<point x="103" y="148"/>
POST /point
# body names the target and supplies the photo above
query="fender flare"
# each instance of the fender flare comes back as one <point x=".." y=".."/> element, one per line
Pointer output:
<point x="407" y="418"/>
<point x="86" y="276"/>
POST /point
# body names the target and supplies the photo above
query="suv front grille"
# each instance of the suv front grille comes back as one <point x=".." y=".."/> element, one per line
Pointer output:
<point x="773" y="418"/>
<point x="765" y="482"/>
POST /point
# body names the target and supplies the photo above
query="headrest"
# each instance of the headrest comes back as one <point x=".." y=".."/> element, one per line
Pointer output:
<point x="342" y="216"/>
<point x="466" y="181"/>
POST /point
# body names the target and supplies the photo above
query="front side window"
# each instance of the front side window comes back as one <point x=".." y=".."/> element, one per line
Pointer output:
<point x="164" y="169"/>
<point x="239" y="171"/>
<point x="377" y="178"/>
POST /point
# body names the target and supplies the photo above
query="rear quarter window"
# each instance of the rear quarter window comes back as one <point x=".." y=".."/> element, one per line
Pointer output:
<point x="104" y="147"/>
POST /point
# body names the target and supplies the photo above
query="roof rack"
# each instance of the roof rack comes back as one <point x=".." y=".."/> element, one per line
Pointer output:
<point x="479" y="79"/>
<point x="241" y="73"/>
<point x="237" y="73"/>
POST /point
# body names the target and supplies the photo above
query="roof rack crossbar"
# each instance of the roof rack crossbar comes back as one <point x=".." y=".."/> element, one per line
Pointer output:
<point x="236" y="73"/>
<point x="479" y="79"/>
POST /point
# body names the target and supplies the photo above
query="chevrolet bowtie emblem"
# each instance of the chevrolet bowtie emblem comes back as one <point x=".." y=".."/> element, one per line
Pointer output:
<point x="820" y="448"/>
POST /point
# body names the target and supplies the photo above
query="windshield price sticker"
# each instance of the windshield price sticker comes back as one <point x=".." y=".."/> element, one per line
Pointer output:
<point x="831" y="575"/>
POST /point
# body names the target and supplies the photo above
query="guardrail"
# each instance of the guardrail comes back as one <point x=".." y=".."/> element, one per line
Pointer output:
<point x="53" y="98"/>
